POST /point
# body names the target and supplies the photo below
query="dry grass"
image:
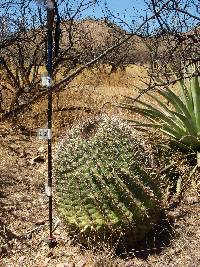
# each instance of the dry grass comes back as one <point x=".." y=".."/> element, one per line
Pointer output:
<point x="94" y="91"/>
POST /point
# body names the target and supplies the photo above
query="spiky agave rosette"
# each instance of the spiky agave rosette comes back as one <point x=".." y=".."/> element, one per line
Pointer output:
<point x="106" y="184"/>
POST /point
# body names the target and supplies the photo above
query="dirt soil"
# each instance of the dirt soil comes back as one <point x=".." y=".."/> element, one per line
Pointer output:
<point x="24" y="219"/>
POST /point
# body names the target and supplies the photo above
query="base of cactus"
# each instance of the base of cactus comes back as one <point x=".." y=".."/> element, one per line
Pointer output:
<point x="115" y="236"/>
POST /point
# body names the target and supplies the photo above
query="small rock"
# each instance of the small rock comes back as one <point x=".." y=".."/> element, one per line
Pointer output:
<point x="23" y="154"/>
<point x="38" y="159"/>
<point x="21" y="259"/>
<point x="14" y="146"/>
<point x="129" y="264"/>
<point x="63" y="265"/>
<point x="82" y="263"/>
<point x="45" y="263"/>
<point x="42" y="149"/>
<point x="42" y="222"/>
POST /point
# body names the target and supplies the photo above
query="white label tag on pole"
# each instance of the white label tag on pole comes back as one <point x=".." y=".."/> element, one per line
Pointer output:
<point x="44" y="134"/>
<point x="46" y="81"/>
<point x="48" y="190"/>
<point x="50" y="4"/>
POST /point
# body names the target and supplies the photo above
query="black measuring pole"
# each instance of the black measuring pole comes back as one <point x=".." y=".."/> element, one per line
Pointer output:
<point x="49" y="66"/>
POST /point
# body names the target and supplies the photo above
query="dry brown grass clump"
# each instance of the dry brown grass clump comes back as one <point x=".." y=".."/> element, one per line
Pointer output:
<point x="92" y="92"/>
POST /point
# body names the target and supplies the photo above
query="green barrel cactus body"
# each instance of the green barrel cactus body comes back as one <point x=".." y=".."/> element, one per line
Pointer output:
<point x="106" y="186"/>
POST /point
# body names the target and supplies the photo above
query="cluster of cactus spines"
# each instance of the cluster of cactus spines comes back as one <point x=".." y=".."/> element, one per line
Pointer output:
<point x="106" y="182"/>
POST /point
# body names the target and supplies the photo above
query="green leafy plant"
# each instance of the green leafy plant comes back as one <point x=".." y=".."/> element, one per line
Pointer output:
<point x="179" y="118"/>
<point x="106" y="183"/>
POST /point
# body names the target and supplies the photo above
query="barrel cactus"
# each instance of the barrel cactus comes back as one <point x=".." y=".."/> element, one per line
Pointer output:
<point x="106" y="184"/>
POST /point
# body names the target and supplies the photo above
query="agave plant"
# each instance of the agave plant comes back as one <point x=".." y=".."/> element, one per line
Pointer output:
<point x="179" y="118"/>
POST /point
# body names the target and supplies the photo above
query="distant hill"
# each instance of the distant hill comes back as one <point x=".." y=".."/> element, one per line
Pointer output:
<point x="83" y="40"/>
<point x="91" y="37"/>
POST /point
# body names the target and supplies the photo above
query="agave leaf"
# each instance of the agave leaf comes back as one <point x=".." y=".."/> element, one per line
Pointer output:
<point x="190" y="140"/>
<point x="196" y="99"/>
<point x="185" y="122"/>
<point x="179" y="185"/>
<point x="186" y="95"/>
<point x="167" y="111"/>
<point x="189" y="127"/>
<point x="160" y="103"/>
<point x="176" y="102"/>
<point x="165" y="93"/>
<point x="181" y="120"/>
<point x="164" y="128"/>
<point x="138" y="123"/>
<point x="198" y="161"/>
<point x="157" y="116"/>
<point x="170" y="131"/>
<point x="152" y="113"/>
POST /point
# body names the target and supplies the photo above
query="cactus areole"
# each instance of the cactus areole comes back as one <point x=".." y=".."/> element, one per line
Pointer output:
<point x="106" y="186"/>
